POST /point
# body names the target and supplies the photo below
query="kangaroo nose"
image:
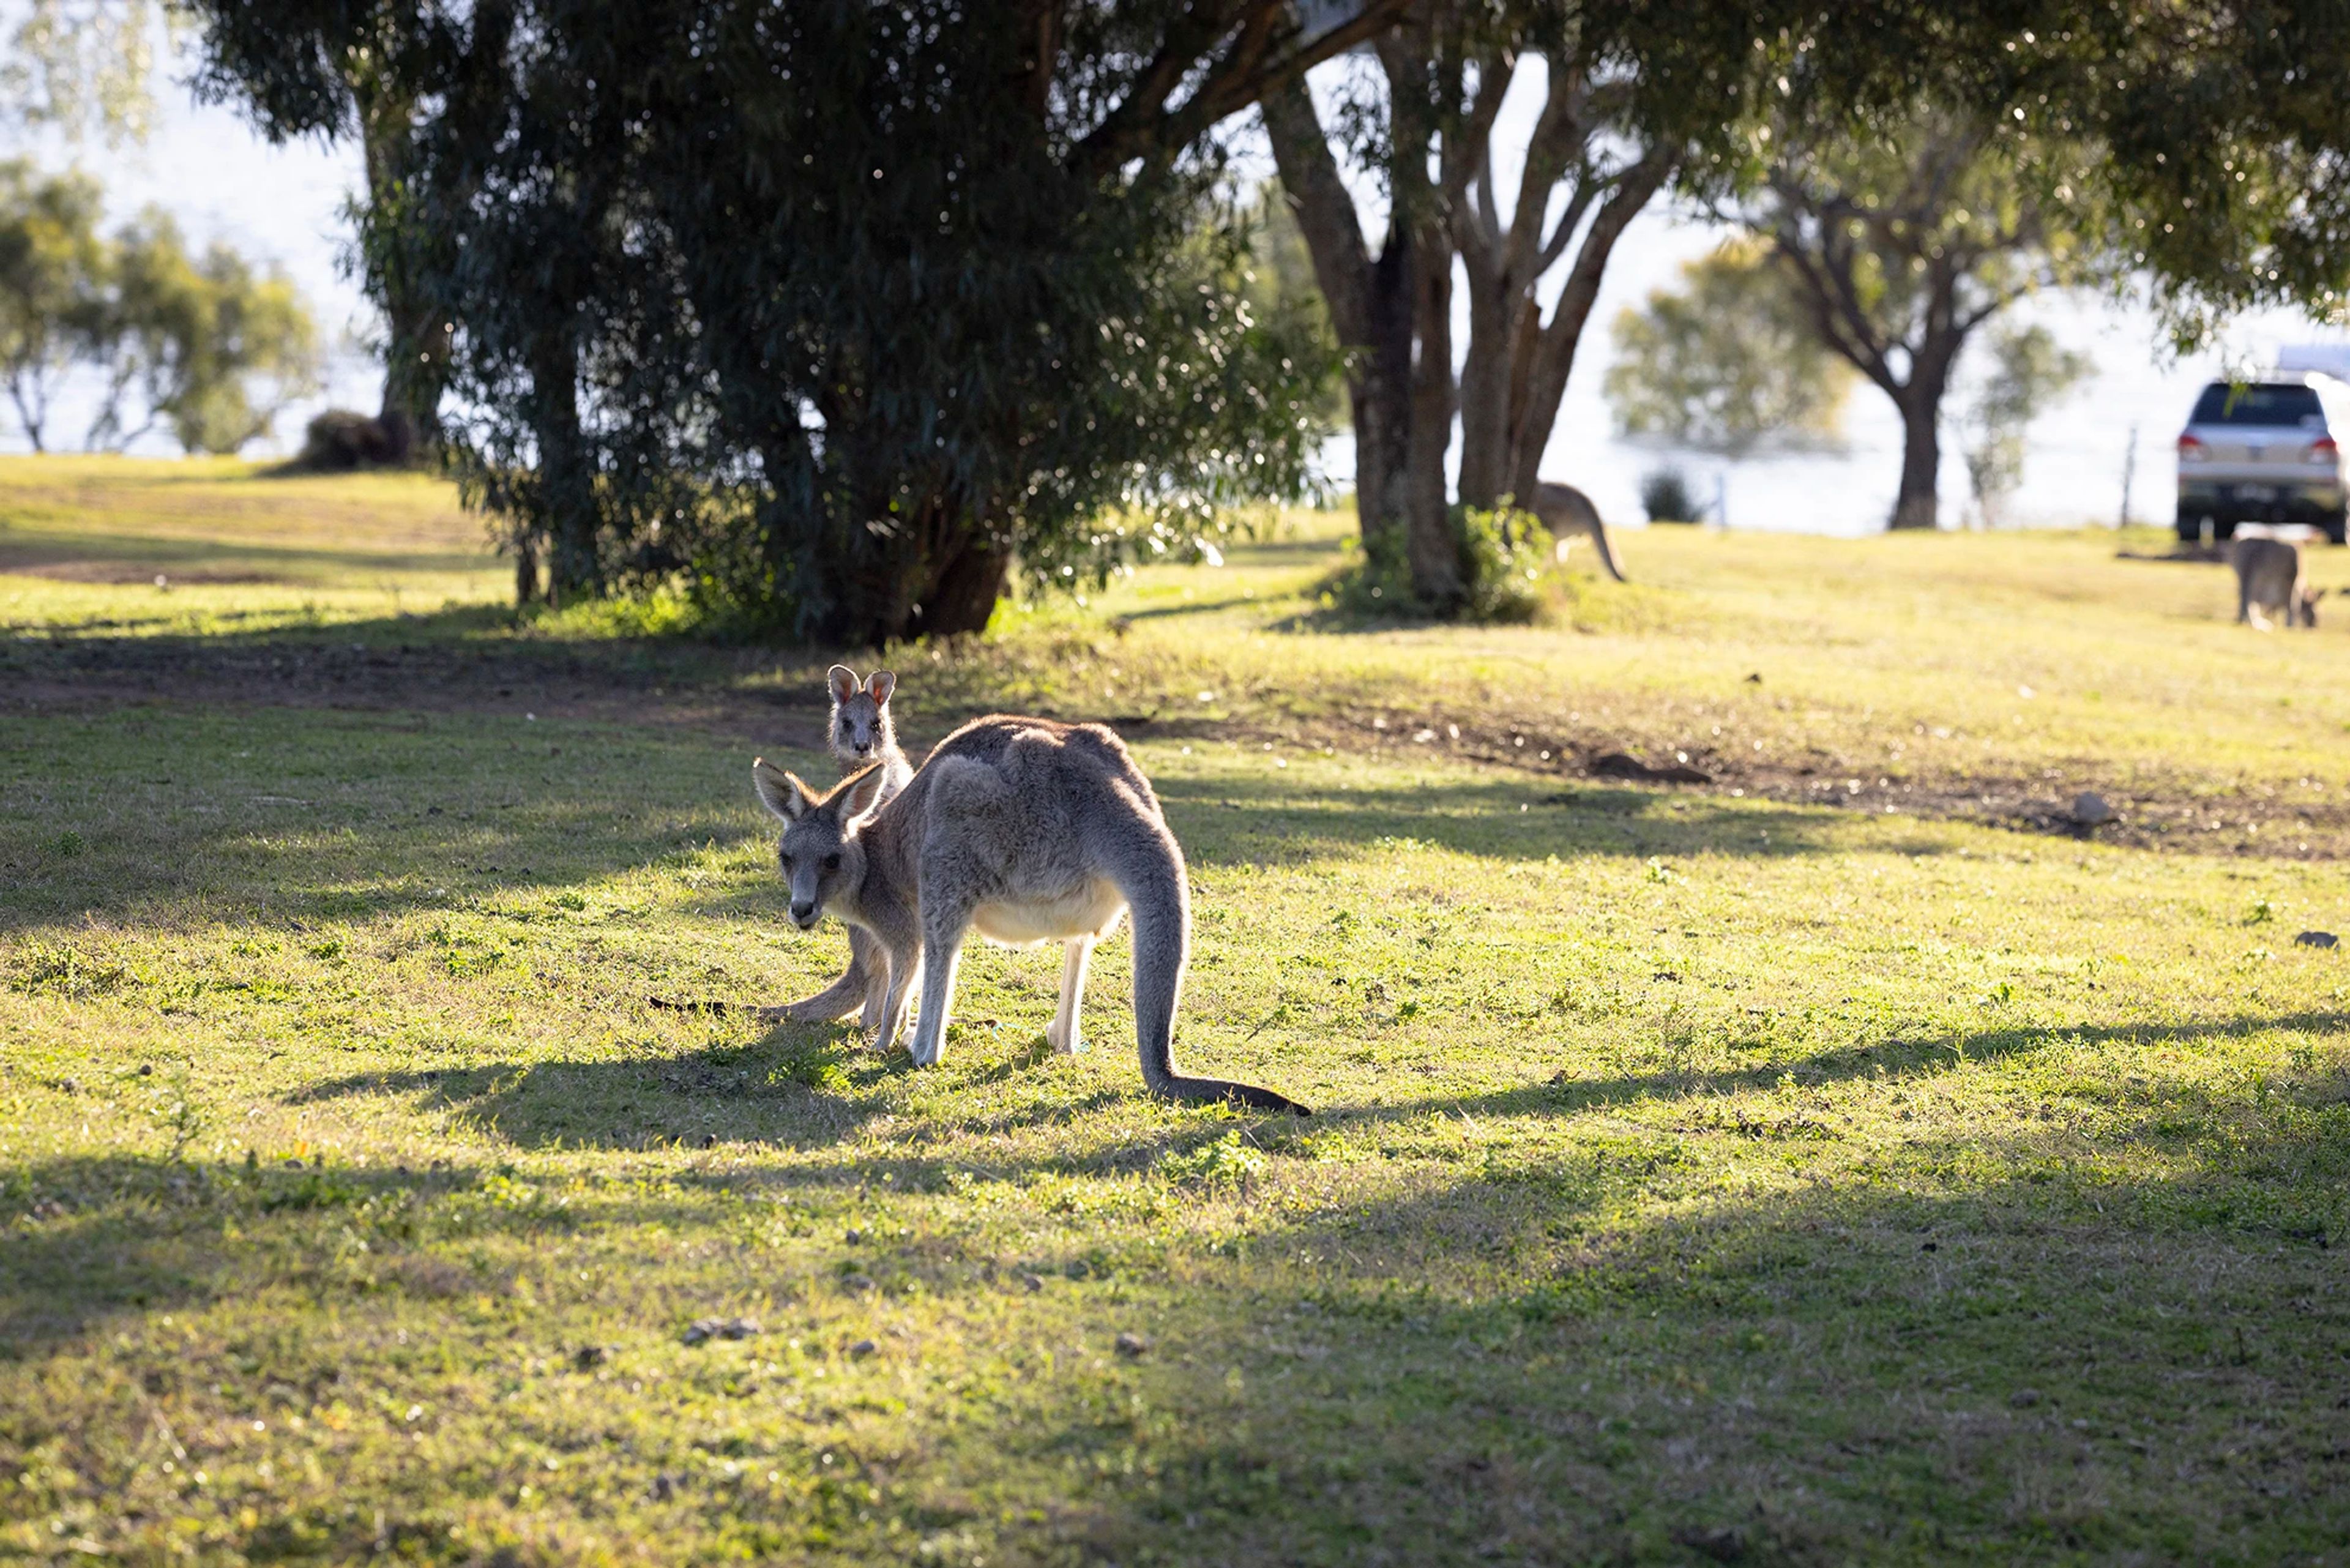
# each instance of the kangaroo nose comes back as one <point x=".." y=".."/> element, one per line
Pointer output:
<point x="803" y="912"/>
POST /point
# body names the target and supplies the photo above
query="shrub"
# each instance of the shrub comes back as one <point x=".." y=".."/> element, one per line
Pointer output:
<point x="1665" y="495"/>
<point x="1507" y="560"/>
<point x="340" y="440"/>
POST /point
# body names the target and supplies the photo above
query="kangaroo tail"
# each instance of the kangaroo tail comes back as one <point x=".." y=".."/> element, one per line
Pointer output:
<point x="1147" y="867"/>
<point x="1607" y="551"/>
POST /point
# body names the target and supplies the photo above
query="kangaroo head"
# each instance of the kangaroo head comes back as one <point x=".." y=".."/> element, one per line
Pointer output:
<point x="2309" y="597"/>
<point x="820" y="854"/>
<point x="860" y="713"/>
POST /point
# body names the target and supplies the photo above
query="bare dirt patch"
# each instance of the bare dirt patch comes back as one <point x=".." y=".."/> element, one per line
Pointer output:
<point x="699" y="686"/>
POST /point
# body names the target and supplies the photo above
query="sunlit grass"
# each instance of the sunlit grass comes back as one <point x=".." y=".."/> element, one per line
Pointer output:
<point x="1692" y="1175"/>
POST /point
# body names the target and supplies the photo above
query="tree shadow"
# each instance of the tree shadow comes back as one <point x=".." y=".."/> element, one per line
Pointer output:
<point x="1279" y="821"/>
<point x="1544" y="1351"/>
<point x="797" y="1086"/>
<point x="1890" y="1059"/>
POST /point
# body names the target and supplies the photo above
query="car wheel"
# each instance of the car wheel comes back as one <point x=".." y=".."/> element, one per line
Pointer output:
<point x="2223" y="529"/>
<point x="2338" y="530"/>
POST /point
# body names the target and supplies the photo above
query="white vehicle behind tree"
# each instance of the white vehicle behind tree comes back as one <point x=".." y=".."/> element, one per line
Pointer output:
<point x="2262" y="452"/>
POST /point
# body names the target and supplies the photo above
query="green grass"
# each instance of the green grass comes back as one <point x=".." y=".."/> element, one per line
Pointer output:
<point x="1696" y="1176"/>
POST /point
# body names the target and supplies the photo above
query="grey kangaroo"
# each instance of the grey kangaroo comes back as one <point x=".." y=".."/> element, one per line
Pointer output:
<point x="1030" y="830"/>
<point x="1566" y="510"/>
<point x="862" y="735"/>
<point x="2268" y="581"/>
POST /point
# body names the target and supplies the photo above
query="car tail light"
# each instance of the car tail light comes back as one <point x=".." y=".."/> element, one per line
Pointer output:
<point x="2189" y="446"/>
<point x="2323" y="447"/>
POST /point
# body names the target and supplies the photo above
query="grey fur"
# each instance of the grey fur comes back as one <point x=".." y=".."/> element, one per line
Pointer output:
<point x="1566" y="510"/>
<point x="861" y="734"/>
<point x="2270" y="581"/>
<point x="1029" y="830"/>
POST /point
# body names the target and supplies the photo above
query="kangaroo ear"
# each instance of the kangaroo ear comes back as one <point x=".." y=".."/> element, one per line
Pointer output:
<point x="780" y="792"/>
<point x="843" y="681"/>
<point x="858" y="797"/>
<point x="878" y="685"/>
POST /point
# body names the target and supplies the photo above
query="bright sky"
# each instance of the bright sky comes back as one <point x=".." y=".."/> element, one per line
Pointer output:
<point x="285" y="204"/>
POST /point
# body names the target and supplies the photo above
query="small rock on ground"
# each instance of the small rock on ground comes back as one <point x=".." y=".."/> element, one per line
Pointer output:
<point x="1132" y="1345"/>
<point x="2090" y="810"/>
<point x="2318" y="939"/>
<point x="706" y="1328"/>
<point x="1724" y="1543"/>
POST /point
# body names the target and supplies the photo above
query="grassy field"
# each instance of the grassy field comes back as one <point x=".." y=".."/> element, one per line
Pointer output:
<point x="1840" y="1161"/>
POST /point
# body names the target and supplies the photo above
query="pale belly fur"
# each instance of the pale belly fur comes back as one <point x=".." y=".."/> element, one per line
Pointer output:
<point x="1089" y="912"/>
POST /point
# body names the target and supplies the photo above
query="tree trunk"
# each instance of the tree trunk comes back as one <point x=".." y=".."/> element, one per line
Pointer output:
<point x="1380" y="397"/>
<point x="1916" y="504"/>
<point x="1556" y="343"/>
<point x="566" y="484"/>
<point x="1432" y="546"/>
<point x="1485" y="376"/>
<point x="963" y="592"/>
<point x="417" y="339"/>
<point x="1370" y="307"/>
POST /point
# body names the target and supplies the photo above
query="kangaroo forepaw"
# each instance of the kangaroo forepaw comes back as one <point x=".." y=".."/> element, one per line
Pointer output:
<point x="1064" y="1042"/>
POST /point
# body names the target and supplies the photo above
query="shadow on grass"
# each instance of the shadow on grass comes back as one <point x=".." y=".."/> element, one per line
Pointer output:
<point x="798" y="1086"/>
<point x="103" y="557"/>
<point x="1549" y="1355"/>
<point x="1893" y="1058"/>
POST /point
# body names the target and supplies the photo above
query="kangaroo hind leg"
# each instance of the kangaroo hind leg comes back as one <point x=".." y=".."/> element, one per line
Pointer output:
<point x="1062" y="1032"/>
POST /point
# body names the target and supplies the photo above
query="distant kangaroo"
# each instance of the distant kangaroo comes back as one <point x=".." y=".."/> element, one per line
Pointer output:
<point x="1030" y="830"/>
<point x="2268" y="581"/>
<point x="1564" y="509"/>
<point x="862" y="735"/>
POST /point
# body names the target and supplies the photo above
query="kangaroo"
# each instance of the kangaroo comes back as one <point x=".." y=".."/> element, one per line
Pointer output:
<point x="1030" y="830"/>
<point x="1566" y="510"/>
<point x="2269" y="580"/>
<point x="862" y="735"/>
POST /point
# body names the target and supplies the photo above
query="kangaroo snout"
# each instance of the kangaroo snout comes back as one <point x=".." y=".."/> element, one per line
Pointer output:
<point x="803" y="914"/>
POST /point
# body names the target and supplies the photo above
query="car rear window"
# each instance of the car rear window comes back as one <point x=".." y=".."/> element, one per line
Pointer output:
<point x="2222" y="404"/>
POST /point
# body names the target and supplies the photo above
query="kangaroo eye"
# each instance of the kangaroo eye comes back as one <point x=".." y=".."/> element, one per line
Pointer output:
<point x="832" y="862"/>
<point x="787" y="864"/>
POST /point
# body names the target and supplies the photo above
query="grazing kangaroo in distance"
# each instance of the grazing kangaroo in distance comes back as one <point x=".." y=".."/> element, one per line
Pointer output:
<point x="1563" y="509"/>
<point x="1031" y="831"/>
<point x="861" y="734"/>
<point x="2270" y="580"/>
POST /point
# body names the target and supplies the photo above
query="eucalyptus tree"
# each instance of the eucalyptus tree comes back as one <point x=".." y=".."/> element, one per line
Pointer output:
<point x="53" y="267"/>
<point x="1905" y="237"/>
<point x="841" y="308"/>
<point x="1727" y="360"/>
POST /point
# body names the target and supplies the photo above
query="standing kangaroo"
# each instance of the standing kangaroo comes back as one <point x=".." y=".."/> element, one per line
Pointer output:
<point x="862" y="736"/>
<point x="2269" y="580"/>
<point x="1563" y="509"/>
<point x="1030" y="830"/>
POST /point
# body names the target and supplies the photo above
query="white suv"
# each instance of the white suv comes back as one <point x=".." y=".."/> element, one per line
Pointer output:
<point x="2259" y="451"/>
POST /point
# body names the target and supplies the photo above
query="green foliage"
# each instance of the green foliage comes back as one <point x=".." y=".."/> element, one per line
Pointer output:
<point x="84" y="68"/>
<point x="211" y="347"/>
<point x="52" y="282"/>
<point x="1508" y="561"/>
<point x="1726" y="361"/>
<point x="839" y="320"/>
<point x="2029" y="371"/>
<point x="1281" y="287"/>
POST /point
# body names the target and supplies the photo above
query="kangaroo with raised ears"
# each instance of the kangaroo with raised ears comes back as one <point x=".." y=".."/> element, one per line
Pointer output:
<point x="1029" y="830"/>
<point x="862" y="735"/>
